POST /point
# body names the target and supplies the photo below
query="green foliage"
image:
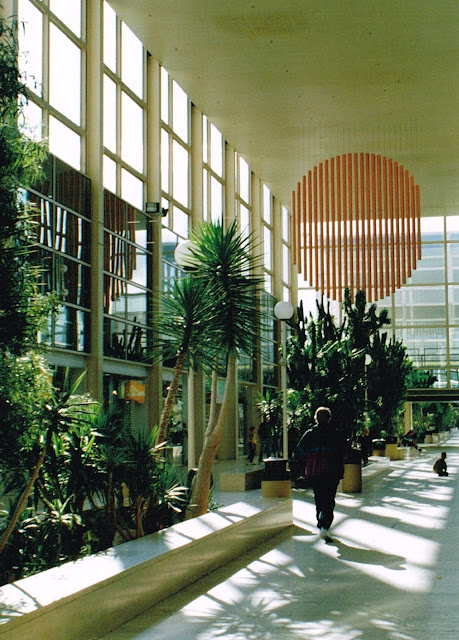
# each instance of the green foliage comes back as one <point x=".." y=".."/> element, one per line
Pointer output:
<point x="326" y="366"/>
<point x="387" y="381"/>
<point x="225" y="264"/>
<point x="421" y="379"/>
<point x="186" y="324"/>
<point x="21" y="308"/>
<point x="93" y="464"/>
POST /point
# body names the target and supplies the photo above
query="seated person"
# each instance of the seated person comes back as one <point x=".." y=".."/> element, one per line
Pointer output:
<point x="410" y="439"/>
<point x="440" y="465"/>
<point x="364" y="441"/>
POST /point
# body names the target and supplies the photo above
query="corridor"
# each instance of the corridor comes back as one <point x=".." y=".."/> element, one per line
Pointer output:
<point x="391" y="572"/>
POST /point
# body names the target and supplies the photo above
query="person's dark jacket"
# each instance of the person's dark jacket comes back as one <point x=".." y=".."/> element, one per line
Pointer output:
<point x="322" y="448"/>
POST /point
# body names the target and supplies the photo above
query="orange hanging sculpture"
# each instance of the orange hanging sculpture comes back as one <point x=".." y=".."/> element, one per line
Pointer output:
<point x="356" y="224"/>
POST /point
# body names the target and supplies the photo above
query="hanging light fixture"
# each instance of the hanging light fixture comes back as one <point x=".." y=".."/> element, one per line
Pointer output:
<point x="356" y="224"/>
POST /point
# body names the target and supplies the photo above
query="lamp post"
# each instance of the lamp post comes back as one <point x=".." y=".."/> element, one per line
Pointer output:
<point x="367" y="364"/>
<point x="283" y="311"/>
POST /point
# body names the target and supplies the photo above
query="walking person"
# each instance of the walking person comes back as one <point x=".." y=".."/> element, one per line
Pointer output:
<point x="264" y="434"/>
<point x="252" y="445"/>
<point x="323" y="449"/>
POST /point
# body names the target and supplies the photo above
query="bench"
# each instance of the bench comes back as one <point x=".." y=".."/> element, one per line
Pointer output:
<point x="87" y="598"/>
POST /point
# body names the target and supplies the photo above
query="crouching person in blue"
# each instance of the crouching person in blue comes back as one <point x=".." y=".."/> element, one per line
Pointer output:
<point x="323" y="449"/>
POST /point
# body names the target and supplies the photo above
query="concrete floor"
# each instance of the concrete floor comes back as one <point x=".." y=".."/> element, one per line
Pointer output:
<point x="392" y="572"/>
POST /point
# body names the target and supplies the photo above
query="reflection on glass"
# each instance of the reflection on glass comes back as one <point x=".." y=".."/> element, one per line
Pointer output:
<point x="139" y="273"/>
<point x="137" y="304"/>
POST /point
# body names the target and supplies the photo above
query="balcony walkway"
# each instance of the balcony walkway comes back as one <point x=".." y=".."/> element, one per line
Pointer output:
<point x="391" y="574"/>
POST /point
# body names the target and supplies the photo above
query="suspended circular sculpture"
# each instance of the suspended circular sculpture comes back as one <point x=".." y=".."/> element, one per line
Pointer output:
<point x="356" y="224"/>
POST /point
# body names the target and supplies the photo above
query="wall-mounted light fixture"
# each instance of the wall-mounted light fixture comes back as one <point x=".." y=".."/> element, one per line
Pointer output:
<point x="154" y="207"/>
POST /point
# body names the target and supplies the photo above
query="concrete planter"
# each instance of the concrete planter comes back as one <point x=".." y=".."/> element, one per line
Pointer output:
<point x="391" y="451"/>
<point x="352" y="479"/>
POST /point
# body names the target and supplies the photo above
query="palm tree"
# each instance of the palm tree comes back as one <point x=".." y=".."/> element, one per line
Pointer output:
<point x="225" y="264"/>
<point x="187" y="332"/>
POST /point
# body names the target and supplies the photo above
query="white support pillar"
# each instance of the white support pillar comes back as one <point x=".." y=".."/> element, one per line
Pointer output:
<point x="155" y="375"/>
<point x="94" y="170"/>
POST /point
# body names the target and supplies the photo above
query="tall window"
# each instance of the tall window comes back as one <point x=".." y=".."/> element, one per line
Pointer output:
<point x="213" y="172"/>
<point x="267" y="208"/>
<point x="127" y="280"/>
<point x="243" y="195"/>
<point x="124" y="110"/>
<point x="52" y="58"/>
<point x="175" y="156"/>
<point x="63" y="252"/>
<point x="286" y="254"/>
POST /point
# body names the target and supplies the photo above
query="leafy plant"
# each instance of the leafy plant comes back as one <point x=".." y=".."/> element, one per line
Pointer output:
<point x="226" y="265"/>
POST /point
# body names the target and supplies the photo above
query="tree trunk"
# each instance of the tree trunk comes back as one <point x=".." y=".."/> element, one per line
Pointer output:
<point x="169" y="402"/>
<point x="22" y="502"/>
<point x="199" y="501"/>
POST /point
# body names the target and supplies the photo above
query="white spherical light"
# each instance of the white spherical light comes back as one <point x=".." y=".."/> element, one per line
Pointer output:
<point x="283" y="310"/>
<point x="183" y="255"/>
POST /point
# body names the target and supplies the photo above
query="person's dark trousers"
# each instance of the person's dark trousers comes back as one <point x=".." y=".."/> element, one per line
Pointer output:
<point x="324" y="497"/>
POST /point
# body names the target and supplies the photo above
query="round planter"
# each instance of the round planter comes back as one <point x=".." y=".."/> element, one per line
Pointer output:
<point x="428" y="438"/>
<point x="391" y="451"/>
<point x="352" y="479"/>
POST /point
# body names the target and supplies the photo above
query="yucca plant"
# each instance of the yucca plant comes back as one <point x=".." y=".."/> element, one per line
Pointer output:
<point x="187" y="333"/>
<point x="226" y="265"/>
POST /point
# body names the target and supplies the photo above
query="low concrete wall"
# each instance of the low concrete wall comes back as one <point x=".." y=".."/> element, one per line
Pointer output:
<point x="242" y="480"/>
<point x="87" y="598"/>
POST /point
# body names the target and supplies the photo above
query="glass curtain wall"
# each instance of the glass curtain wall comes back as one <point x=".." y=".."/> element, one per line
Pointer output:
<point x="424" y="312"/>
<point x="53" y="57"/>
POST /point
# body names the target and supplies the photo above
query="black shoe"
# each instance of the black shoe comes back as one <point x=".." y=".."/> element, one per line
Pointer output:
<point x="323" y="533"/>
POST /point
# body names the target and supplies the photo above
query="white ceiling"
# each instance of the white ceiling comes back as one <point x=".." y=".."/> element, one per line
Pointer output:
<point x="292" y="83"/>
